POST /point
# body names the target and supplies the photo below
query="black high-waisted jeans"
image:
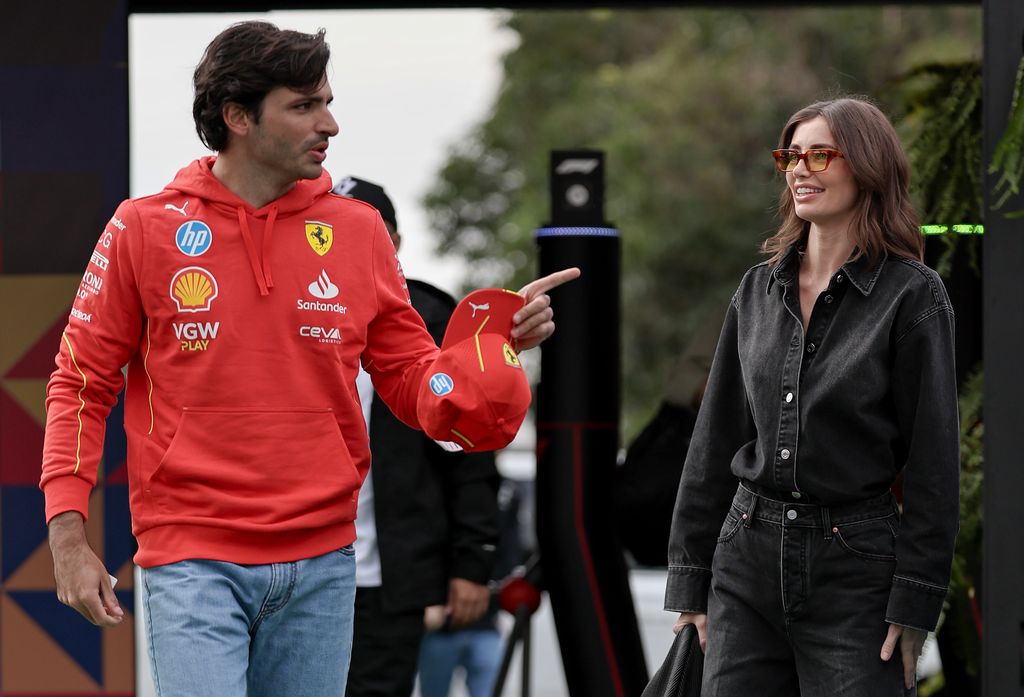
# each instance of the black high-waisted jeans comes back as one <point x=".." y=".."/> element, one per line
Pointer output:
<point x="798" y="599"/>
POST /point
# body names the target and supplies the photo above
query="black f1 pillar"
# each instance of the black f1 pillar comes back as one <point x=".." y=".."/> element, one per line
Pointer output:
<point x="1002" y="663"/>
<point x="578" y="401"/>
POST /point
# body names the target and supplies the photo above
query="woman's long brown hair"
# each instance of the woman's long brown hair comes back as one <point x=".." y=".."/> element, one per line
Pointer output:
<point x="886" y="220"/>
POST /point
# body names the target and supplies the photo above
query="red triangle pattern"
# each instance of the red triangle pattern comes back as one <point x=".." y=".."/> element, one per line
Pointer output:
<point x="37" y="362"/>
<point x="21" y="444"/>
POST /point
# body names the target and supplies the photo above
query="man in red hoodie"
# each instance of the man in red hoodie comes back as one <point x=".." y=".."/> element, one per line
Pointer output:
<point x="241" y="299"/>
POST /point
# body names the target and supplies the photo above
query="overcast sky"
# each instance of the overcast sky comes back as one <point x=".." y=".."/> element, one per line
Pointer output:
<point x="407" y="84"/>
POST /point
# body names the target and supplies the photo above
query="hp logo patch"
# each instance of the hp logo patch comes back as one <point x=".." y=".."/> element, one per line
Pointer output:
<point x="441" y="384"/>
<point x="193" y="238"/>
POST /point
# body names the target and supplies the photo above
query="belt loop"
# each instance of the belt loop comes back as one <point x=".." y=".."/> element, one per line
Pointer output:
<point x="826" y="522"/>
<point x="750" y="511"/>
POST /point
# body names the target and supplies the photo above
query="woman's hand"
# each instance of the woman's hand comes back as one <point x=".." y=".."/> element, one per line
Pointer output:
<point x="911" y="643"/>
<point x="694" y="618"/>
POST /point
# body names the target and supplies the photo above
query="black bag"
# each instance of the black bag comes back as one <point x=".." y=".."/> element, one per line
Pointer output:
<point x="680" y="674"/>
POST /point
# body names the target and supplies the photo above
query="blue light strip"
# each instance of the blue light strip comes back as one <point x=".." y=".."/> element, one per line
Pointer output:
<point x="577" y="232"/>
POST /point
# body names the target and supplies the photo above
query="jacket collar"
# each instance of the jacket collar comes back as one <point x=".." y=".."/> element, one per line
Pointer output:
<point x="860" y="271"/>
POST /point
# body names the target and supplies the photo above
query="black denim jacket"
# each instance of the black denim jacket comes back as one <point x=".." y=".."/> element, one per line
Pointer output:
<point x="830" y="417"/>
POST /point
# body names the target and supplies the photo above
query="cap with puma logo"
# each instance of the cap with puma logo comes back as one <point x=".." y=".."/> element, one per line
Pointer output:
<point x="476" y="393"/>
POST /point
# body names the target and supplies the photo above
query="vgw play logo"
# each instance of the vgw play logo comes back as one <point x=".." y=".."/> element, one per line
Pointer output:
<point x="196" y="336"/>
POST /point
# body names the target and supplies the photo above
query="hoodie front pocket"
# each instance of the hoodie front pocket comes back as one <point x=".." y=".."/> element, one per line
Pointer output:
<point x="286" y="469"/>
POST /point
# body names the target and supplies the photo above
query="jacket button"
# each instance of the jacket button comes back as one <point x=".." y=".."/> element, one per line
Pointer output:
<point x="791" y="514"/>
<point x="784" y="454"/>
<point x="789" y="397"/>
<point x="829" y="298"/>
<point x="839" y="278"/>
<point x="811" y="348"/>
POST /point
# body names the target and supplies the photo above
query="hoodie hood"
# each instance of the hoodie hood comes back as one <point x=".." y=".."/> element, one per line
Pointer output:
<point x="197" y="180"/>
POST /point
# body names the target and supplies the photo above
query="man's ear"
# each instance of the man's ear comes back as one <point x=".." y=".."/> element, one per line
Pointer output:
<point x="236" y="118"/>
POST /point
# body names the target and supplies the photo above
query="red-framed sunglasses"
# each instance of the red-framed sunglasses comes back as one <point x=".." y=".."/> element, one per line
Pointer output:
<point x="815" y="159"/>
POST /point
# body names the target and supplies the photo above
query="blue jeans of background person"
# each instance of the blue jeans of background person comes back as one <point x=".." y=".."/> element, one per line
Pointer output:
<point x="478" y="651"/>
<point x="798" y="600"/>
<point x="218" y="629"/>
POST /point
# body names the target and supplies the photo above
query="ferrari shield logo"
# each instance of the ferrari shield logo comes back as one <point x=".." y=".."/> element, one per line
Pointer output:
<point x="510" y="356"/>
<point x="320" y="236"/>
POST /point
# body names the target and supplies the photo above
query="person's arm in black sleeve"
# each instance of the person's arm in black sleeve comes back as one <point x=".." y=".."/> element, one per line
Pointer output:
<point x="470" y="489"/>
<point x="724" y="425"/>
<point x="925" y="396"/>
<point x="471" y="499"/>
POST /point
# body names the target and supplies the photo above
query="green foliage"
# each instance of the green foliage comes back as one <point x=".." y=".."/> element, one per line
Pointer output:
<point x="686" y="104"/>
<point x="941" y="121"/>
<point x="1009" y="154"/>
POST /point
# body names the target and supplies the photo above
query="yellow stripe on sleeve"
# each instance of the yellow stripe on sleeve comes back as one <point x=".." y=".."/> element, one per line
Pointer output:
<point x="81" y="406"/>
<point x="149" y="380"/>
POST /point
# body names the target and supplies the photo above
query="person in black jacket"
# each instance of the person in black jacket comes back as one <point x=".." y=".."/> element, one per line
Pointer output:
<point x="833" y="377"/>
<point x="427" y="525"/>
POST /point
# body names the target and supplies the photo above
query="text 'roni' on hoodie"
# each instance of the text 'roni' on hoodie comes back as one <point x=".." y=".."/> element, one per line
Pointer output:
<point x="242" y="331"/>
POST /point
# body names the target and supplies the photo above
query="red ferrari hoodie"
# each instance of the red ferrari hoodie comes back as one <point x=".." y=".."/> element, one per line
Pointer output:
<point x="242" y="330"/>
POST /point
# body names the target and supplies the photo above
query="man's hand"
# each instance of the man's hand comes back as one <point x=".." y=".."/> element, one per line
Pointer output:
<point x="698" y="619"/>
<point x="467" y="602"/>
<point x="532" y="324"/>
<point x="911" y="643"/>
<point x="434" y="617"/>
<point x="82" y="580"/>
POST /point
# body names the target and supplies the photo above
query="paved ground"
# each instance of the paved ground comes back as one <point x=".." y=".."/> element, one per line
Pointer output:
<point x="548" y="679"/>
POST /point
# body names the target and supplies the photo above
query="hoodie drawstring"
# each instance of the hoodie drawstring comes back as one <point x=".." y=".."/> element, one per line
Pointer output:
<point x="254" y="262"/>
<point x="268" y="232"/>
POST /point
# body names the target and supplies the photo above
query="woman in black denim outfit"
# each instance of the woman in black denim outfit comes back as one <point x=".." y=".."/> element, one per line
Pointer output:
<point x="833" y="376"/>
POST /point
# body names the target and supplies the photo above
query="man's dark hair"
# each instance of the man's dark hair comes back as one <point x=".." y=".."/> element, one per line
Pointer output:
<point x="243" y="63"/>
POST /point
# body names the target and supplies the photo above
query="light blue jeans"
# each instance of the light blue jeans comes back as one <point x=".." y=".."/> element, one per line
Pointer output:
<point x="218" y="629"/>
<point x="478" y="651"/>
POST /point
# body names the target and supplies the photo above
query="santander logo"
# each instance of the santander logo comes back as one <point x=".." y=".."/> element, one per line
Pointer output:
<point x="322" y="287"/>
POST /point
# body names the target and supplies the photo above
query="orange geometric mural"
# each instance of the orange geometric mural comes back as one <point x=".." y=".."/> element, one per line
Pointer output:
<point x="47" y="649"/>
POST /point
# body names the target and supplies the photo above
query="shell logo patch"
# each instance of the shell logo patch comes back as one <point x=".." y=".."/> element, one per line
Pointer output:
<point x="510" y="356"/>
<point x="320" y="236"/>
<point x="193" y="289"/>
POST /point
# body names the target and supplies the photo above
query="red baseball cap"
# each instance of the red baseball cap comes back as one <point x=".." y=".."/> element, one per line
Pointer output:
<point x="476" y="393"/>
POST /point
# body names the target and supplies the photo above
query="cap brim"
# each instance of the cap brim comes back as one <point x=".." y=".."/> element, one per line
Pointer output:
<point x="485" y="311"/>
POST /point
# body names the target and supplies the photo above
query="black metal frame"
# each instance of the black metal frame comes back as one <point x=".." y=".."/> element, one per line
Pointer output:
<point x="1003" y="564"/>
<point x="1003" y="575"/>
<point x="1003" y="569"/>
